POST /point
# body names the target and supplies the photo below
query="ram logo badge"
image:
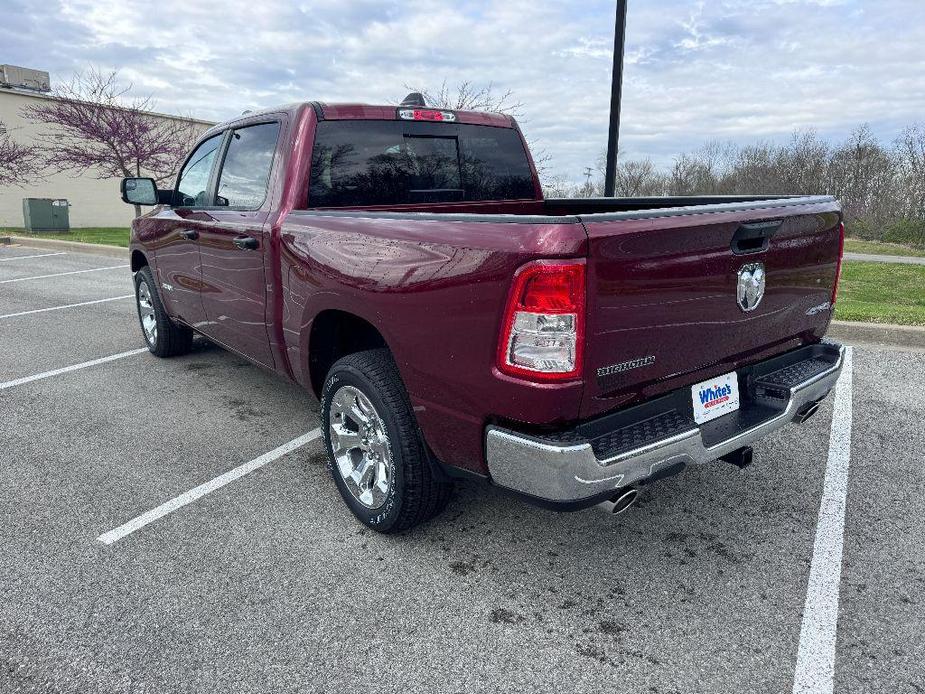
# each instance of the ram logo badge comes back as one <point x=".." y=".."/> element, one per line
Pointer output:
<point x="750" y="288"/>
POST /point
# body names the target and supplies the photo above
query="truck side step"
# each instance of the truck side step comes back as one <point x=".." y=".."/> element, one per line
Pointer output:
<point x="776" y="384"/>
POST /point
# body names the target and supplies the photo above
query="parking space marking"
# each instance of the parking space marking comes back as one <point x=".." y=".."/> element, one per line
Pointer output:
<point x="58" y="308"/>
<point x="68" y="369"/>
<point x="207" y="488"/>
<point x="61" y="274"/>
<point x="27" y="257"/>
<point x="815" y="668"/>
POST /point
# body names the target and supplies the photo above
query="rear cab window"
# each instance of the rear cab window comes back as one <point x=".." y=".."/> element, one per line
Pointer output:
<point x="366" y="163"/>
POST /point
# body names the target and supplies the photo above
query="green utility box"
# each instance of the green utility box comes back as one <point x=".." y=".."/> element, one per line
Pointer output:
<point x="45" y="214"/>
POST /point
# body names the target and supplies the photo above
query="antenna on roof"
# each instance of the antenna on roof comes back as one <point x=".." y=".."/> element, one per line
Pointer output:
<point x="414" y="99"/>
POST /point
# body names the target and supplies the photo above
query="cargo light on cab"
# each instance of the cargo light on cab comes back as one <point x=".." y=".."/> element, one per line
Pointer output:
<point x="543" y="329"/>
<point x="426" y="114"/>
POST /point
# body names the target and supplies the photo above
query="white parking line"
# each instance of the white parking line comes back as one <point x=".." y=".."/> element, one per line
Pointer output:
<point x="206" y="488"/>
<point x="58" y="308"/>
<point x="26" y="257"/>
<point x="815" y="669"/>
<point x="61" y="274"/>
<point x="68" y="369"/>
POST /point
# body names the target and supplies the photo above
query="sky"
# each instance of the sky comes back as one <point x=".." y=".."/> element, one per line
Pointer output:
<point x="739" y="70"/>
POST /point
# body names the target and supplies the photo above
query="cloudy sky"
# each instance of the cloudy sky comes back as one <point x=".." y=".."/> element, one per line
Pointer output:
<point x="724" y="69"/>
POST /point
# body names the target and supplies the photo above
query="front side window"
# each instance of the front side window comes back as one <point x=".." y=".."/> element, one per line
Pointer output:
<point x="358" y="163"/>
<point x="246" y="171"/>
<point x="192" y="187"/>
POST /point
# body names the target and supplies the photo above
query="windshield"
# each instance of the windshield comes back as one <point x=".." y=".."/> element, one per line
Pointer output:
<point x="359" y="163"/>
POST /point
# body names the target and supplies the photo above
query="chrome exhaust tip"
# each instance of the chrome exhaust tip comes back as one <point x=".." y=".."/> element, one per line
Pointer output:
<point x="807" y="412"/>
<point x="619" y="502"/>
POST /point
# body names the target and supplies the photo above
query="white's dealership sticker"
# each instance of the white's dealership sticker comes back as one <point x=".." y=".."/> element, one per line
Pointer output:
<point x="715" y="397"/>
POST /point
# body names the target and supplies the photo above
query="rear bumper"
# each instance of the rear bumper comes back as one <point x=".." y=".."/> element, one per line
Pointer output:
<point x="587" y="462"/>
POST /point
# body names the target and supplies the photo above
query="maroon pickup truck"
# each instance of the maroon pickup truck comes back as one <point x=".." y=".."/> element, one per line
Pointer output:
<point x="402" y="264"/>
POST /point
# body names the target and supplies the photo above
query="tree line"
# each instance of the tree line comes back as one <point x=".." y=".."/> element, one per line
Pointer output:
<point x="881" y="186"/>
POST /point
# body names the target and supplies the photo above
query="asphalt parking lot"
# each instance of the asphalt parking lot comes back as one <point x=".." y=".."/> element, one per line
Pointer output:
<point x="269" y="584"/>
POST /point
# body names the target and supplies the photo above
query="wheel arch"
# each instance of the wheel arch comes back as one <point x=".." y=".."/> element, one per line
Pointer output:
<point x="335" y="333"/>
<point x="138" y="260"/>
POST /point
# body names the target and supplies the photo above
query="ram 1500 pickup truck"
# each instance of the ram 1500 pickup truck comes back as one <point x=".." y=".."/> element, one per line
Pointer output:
<point x="402" y="264"/>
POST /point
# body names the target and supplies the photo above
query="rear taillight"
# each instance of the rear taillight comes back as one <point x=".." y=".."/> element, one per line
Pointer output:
<point x="841" y="252"/>
<point x="543" y="330"/>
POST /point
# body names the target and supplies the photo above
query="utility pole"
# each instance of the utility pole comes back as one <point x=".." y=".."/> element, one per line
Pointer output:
<point x="616" y="92"/>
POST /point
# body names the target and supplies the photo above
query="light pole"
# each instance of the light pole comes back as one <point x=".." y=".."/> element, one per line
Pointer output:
<point x="616" y="92"/>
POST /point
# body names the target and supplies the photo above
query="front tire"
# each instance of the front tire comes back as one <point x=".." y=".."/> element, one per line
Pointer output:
<point x="163" y="337"/>
<point x="376" y="453"/>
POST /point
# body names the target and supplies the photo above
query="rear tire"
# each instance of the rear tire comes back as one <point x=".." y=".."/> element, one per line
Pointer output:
<point x="163" y="337"/>
<point x="376" y="453"/>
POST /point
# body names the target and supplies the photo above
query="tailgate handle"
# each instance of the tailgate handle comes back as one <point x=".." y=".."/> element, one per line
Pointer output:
<point x="754" y="237"/>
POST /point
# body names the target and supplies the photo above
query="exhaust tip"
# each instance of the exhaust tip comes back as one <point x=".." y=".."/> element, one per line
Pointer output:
<point x="807" y="412"/>
<point x="620" y="502"/>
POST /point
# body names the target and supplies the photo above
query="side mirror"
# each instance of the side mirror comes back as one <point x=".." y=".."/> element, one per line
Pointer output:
<point x="139" y="191"/>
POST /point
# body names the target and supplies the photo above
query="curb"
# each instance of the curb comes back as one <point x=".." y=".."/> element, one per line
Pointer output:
<point x="878" y="333"/>
<point x="76" y="246"/>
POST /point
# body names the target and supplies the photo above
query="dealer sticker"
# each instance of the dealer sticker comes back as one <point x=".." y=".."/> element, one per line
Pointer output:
<point x="715" y="397"/>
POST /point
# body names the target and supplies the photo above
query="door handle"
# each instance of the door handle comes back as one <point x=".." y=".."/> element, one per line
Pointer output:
<point x="189" y="234"/>
<point x="247" y="243"/>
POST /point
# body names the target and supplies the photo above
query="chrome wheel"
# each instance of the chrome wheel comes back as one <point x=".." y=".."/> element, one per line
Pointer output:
<point x="146" y="313"/>
<point x="361" y="447"/>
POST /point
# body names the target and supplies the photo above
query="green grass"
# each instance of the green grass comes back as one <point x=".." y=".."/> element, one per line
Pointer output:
<point x="878" y="248"/>
<point x="110" y="236"/>
<point x="881" y="293"/>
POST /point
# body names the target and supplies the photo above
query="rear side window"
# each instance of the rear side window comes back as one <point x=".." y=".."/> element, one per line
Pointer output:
<point x="193" y="184"/>
<point x="360" y="163"/>
<point x="246" y="170"/>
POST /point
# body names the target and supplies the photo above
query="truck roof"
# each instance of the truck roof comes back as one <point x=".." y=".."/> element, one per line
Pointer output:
<point x="347" y="111"/>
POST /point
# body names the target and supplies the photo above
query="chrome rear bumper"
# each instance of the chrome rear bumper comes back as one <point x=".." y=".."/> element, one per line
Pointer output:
<point x="571" y="468"/>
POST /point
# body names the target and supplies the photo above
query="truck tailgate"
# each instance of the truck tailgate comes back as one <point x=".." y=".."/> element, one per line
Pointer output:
<point x="663" y="309"/>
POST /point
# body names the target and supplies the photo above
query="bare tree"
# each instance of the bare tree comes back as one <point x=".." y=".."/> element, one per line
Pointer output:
<point x="863" y="176"/>
<point x="19" y="163"/>
<point x="466" y="96"/>
<point x="97" y="129"/>
<point x="754" y="169"/>
<point x="910" y="162"/>
<point x="639" y="177"/>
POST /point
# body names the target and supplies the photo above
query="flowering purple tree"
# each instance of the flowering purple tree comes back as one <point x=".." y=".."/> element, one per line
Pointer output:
<point x="96" y="129"/>
<point x="18" y="163"/>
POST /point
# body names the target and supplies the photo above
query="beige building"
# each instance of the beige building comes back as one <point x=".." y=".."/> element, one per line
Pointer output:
<point x="93" y="202"/>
